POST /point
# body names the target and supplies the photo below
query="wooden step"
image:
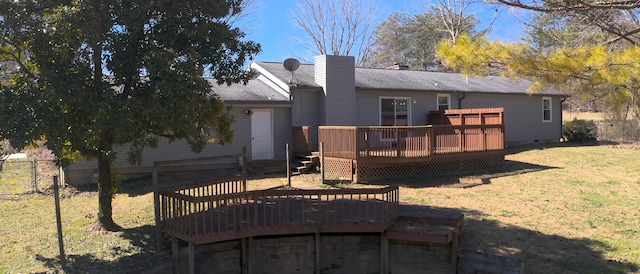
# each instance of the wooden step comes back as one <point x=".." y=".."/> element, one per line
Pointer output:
<point x="305" y="165"/>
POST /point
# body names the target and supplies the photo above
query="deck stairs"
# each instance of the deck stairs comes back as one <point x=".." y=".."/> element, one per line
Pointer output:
<point x="307" y="164"/>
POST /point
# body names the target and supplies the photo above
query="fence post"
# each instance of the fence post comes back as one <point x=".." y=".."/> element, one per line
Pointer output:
<point x="56" y="195"/>
<point x="156" y="206"/>
<point x="63" y="180"/>
<point x="432" y="140"/>
<point x="288" y="167"/>
<point x="34" y="166"/>
<point x="244" y="161"/>
<point x="244" y="168"/>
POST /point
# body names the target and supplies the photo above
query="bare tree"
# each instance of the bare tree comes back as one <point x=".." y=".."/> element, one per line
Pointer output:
<point x="618" y="17"/>
<point x="454" y="16"/>
<point x="338" y="27"/>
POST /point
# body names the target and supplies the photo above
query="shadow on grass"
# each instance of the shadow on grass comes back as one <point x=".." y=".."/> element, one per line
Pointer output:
<point x="541" y="146"/>
<point x="542" y="253"/>
<point x="465" y="179"/>
<point x="143" y="259"/>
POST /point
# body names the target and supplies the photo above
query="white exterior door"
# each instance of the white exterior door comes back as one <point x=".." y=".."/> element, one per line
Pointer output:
<point x="262" y="134"/>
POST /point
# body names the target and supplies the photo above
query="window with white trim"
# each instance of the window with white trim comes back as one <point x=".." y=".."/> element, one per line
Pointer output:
<point x="444" y="102"/>
<point x="546" y="109"/>
<point x="395" y="111"/>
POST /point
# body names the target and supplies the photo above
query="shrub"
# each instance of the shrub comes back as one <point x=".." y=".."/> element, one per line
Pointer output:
<point x="579" y="130"/>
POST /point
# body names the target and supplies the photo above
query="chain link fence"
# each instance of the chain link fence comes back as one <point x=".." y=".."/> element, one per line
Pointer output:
<point x="26" y="175"/>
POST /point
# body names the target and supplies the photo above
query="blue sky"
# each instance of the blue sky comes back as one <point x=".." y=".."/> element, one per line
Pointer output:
<point x="271" y="25"/>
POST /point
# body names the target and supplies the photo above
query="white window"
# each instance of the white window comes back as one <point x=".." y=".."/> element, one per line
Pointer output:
<point x="546" y="109"/>
<point x="395" y="111"/>
<point x="444" y="102"/>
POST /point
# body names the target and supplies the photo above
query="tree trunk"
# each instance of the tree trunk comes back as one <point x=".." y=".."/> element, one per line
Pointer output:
<point x="105" y="195"/>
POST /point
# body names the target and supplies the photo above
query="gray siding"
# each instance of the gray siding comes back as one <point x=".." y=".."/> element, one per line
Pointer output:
<point x="336" y="75"/>
<point x="306" y="112"/>
<point x="368" y="105"/>
<point x="522" y="115"/>
<point x="180" y="149"/>
<point x="281" y="132"/>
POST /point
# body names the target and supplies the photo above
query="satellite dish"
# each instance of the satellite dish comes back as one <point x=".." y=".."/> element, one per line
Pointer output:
<point x="291" y="64"/>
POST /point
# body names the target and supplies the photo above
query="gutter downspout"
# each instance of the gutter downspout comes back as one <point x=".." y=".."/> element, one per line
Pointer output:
<point x="464" y="94"/>
<point x="561" y="119"/>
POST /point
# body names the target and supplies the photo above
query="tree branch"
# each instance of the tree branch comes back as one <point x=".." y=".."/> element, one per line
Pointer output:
<point x="563" y="6"/>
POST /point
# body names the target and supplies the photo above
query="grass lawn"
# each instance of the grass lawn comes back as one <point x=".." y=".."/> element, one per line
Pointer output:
<point x="561" y="209"/>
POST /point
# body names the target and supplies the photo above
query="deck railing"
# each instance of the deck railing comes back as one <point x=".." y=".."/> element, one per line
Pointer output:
<point x="408" y="143"/>
<point x="190" y="214"/>
<point x="207" y="188"/>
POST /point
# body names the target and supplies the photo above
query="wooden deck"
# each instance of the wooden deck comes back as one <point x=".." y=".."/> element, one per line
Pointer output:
<point x="225" y="210"/>
<point x="463" y="139"/>
<point x="374" y="153"/>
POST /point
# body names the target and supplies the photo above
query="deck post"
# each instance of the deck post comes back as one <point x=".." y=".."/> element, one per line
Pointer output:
<point x="244" y="166"/>
<point x="398" y="147"/>
<point x="367" y="143"/>
<point x="384" y="253"/>
<point x="352" y="169"/>
<point x="484" y="137"/>
<point x="432" y="141"/>
<point x="322" y="161"/>
<point x="288" y="166"/>
<point x="244" y="260"/>
<point x="156" y="205"/>
<point x="454" y="251"/>
<point x="463" y="138"/>
<point x="192" y="258"/>
<point x="249" y="248"/>
<point x="175" y="253"/>
<point x="317" y="235"/>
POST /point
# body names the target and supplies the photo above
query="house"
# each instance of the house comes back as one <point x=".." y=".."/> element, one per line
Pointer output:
<point x="273" y="106"/>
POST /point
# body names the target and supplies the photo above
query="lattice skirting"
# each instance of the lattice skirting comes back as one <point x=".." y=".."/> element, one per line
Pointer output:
<point x="443" y="165"/>
<point x="338" y="169"/>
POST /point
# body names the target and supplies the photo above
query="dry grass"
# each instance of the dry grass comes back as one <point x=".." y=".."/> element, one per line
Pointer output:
<point x="30" y="240"/>
<point x="568" y="116"/>
<point x="560" y="209"/>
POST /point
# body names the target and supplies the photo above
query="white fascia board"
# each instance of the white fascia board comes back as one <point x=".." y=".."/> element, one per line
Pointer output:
<point x="271" y="80"/>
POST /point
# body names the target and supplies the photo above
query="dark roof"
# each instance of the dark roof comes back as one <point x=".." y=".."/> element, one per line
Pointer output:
<point x="389" y="79"/>
<point x="254" y="91"/>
